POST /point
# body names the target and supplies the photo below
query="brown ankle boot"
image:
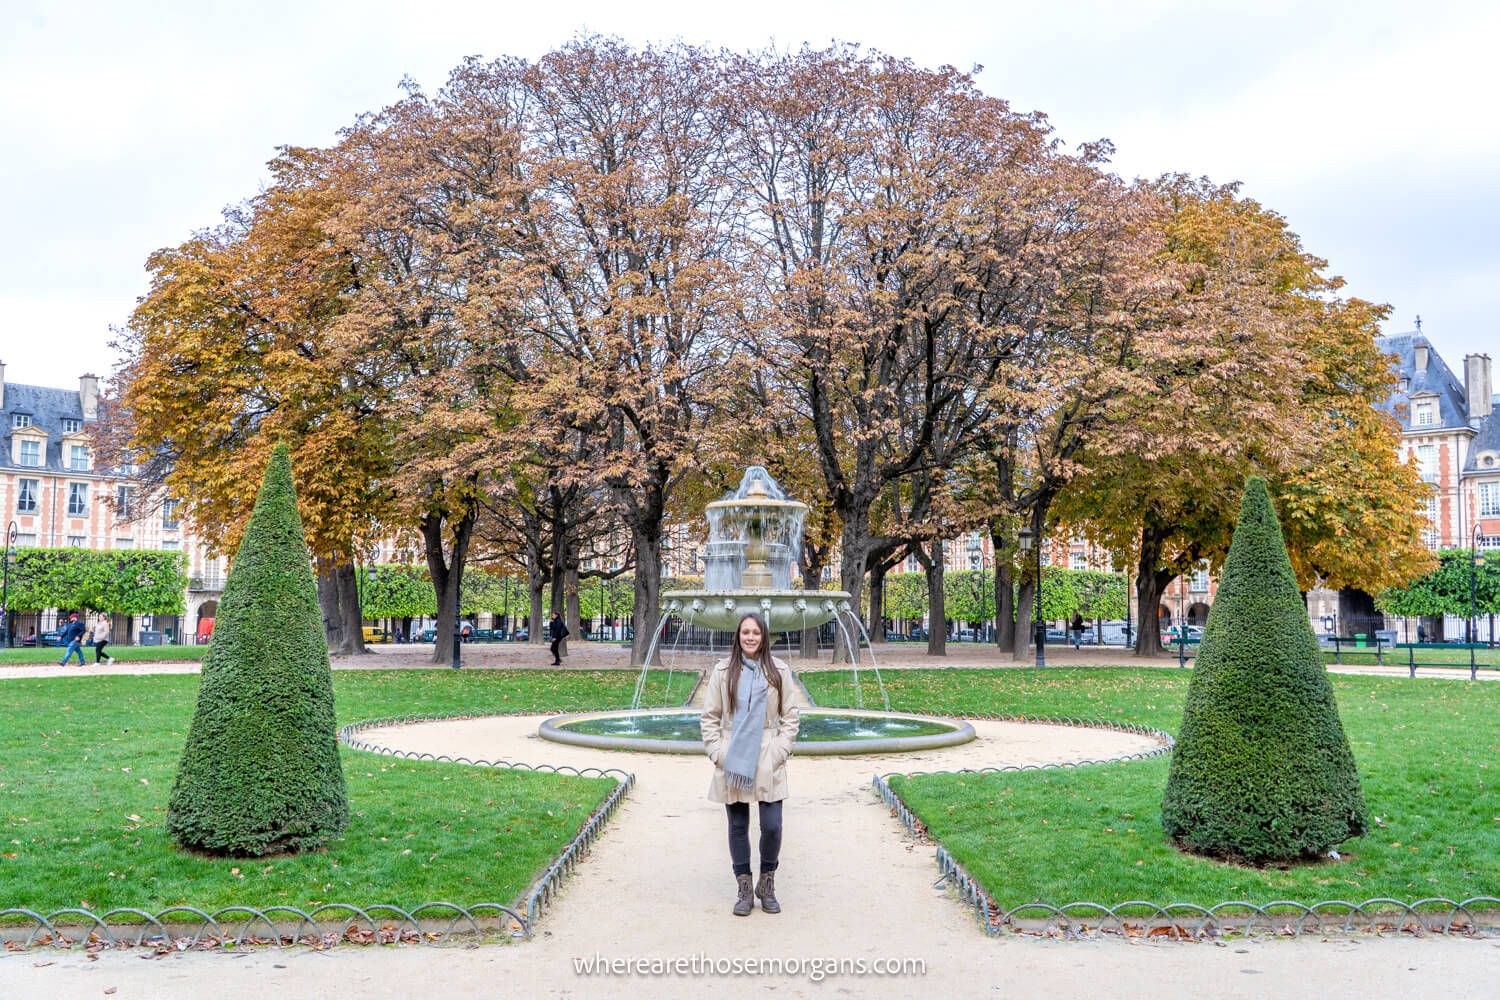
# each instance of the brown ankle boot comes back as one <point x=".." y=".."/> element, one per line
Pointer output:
<point x="766" y="891"/>
<point x="745" y="902"/>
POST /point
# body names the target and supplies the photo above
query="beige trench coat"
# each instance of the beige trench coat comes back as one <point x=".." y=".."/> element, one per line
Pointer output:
<point x="782" y="721"/>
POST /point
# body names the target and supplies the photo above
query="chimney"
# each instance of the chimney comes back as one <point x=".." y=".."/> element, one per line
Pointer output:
<point x="1421" y="351"/>
<point x="88" y="396"/>
<point x="1477" y="386"/>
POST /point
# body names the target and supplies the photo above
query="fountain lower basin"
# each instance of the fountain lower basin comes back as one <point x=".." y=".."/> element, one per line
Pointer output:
<point x="823" y="731"/>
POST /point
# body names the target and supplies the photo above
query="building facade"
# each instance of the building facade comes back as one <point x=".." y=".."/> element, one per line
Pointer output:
<point x="56" y="496"/>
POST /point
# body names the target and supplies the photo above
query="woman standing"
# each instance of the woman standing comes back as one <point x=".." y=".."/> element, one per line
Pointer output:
<point x="749" y="724"/>
<point x="100" y="639"/>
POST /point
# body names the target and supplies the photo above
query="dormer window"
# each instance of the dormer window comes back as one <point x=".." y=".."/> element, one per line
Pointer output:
<point x="1423" y="413"/>
<point x="31" y="453"/>
<point x="1404" y="386"/>
<point x="20" y="420"/>
<point x="78" y="458"/>
<point x="71" y="425"/>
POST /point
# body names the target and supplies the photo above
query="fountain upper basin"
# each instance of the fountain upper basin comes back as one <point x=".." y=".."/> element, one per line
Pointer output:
<point x="784" y="610"/>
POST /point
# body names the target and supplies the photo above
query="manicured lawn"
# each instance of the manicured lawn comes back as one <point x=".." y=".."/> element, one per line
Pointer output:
<point x="87" y="764"/>
<point x="1428" y="755"/>
<point x="128" y="654"/>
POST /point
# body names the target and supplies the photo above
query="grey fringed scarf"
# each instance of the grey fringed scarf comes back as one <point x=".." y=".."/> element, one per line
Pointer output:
<point x="749" y="726"/>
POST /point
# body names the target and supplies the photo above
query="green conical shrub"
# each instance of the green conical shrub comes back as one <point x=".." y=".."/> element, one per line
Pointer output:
<point x="1262" y="770"/>
<point x="261" y="772"/>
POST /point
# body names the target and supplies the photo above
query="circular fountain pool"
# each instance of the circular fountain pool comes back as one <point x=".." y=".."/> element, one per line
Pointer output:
<point x="824" y="731"/>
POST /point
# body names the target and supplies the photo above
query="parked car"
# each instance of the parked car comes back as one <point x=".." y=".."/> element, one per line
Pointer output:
<point x="483" y="635"/>
<point x="51" y="637"/>
<point x="522" y="634"/>
<point x="427" y="635"/>
<point x="1058" y="635"/>
<point x="375" y="634"/>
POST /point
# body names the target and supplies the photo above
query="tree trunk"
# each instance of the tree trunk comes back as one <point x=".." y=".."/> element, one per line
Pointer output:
<point x="447" y="576"/>
<point x="535" y="582"/>
<point x="812" y="577"/>
<point x="1005" y="607"/>
<point x="937" y="611"/>
<point x="570" y="591"/>
<point x="1150" y="583"/>
<point x="338" y="597"/>
<point x="647" y="541"/>
<point x="1025" y="600"/>
<point x="875" y="624"/>
<point x="853" y="555"/>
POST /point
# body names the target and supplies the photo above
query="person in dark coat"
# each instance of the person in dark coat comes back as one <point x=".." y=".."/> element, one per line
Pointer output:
<point x="72" y="638"/>
<point x="1077" y="631"/>
<point x="558" y="631"/>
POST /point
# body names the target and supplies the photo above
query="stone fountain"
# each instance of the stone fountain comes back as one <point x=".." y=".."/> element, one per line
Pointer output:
<point x="754" y="545"/>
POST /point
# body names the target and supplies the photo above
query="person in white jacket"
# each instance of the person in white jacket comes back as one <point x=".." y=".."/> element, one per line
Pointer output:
<point x="749" y="724"/>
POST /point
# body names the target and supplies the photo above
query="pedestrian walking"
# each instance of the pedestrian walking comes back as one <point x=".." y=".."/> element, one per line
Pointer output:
<point x="558" y="630"/>
<point x="749" y="724"/>
<point x="99" y="638"/>
<point x="1077" y="630"/>
<point x="72" y="638"/>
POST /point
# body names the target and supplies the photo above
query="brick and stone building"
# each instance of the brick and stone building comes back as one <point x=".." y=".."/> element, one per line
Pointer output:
<point x="57" y="497"/>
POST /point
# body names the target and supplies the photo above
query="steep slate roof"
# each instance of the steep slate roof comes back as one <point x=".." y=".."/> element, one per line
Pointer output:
<point x="1453" y="408"/>
<point x="47" y="407"/>
<point x="1488" y="439"/>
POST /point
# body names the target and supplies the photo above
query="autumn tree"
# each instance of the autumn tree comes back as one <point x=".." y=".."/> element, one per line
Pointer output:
<point x="228" y="354"/>
<point x="1254" y="366"/>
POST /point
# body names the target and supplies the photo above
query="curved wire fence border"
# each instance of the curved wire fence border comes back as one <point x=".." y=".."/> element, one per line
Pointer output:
<point x="1180" y="920"/>
<point x="180" y="927"/>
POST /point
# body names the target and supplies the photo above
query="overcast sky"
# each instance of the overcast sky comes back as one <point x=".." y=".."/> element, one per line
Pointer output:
<point x="1370" y="126"/>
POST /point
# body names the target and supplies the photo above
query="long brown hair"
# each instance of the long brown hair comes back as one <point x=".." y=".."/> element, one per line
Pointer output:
<point x="737" y="658"/>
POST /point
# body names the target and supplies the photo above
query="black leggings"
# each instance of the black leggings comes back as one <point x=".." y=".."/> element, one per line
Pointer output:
<point x="739" y="835"/>
<point x="555" y="644"/>
<point x="99" y="651"/>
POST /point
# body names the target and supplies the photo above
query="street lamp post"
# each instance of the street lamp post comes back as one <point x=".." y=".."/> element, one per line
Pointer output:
<point x="1181" y="624"/>
<point x="1031" y="540"/>
<point x="1476" y="560"/>
<point x="10" y="542"/>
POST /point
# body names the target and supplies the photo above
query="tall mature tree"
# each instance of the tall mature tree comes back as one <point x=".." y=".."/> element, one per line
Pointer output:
<point x="228" y="353"/>
<point x="1259" y="368"/>
<point x="630" y="230"/>
<point x="864" y="173"/>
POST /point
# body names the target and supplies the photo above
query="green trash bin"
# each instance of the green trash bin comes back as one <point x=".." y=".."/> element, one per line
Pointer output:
<point x="1359" y="640"/>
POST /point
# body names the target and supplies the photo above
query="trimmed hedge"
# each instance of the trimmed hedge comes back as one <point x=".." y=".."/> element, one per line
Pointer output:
<point x="261" y="772"/>
<point x="1262" y="771"/>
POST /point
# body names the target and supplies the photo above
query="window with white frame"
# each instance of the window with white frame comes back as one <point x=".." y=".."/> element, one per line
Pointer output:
<point x="124" y="543"/>
<point x="1489" y="541"/>
<point x="1427" y="462"/>
<point x="78" y="457"/>
<point x="169" y="514"/>
<point x="77" y="541"/>
<point x="26" y="540"/>
<point x="1199" y="582"/>
<point x="1489" y="499"/>
<point x="1430" y="534"/>
<point x="71" y="425"/>
<point x="1423" y="413"/>
<point x="1080" y="559"/>
<point x="123" y="498"/>
<point x="31" y="453"/>
<point x="78" y="499"/>
<point x="169" y="544"/>
<point x="20" y="420"/>
<point x="26" y="497"/>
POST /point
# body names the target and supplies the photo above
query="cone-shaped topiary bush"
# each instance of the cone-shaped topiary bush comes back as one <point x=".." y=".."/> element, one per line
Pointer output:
<point x="1262" y="771"/>
<point x="261" y="773"/>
